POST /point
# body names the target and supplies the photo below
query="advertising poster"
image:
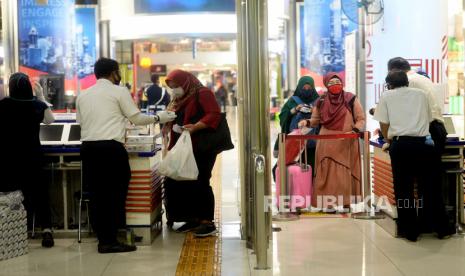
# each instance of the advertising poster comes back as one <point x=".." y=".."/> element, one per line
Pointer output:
<point x="174" y="6"/>
<point x="57" y="44"/>
<point x="86" y="52"/>
<point x="45" y="39"/>
<point x="325" y="28"/>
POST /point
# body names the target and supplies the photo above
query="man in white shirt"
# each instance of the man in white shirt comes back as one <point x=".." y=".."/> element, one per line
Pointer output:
<point x="437" y="129"/>
<point x="103" y="111"/>
<point x="405" y="114"/>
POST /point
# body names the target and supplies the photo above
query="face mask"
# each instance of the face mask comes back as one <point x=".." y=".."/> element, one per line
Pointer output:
<point x="335" y="89"/>
<point x="117" y="79"/>
<point x="178" y="92"/>
<point x="306" y="91"/>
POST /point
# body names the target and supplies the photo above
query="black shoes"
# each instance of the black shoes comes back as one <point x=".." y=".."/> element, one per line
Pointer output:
<point x="187" y="227"/>
<point x="205" y="230"/>
<point x="115" y="248"/>
<point x="47" y="240"/>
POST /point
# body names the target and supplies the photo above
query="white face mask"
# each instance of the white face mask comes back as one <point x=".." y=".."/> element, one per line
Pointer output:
<point x="177" y="92"/>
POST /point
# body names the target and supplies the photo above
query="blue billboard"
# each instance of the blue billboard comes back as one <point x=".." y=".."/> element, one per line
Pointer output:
<point x="325" y="27"/>
<point x="180" y="6"/>
<point x="45" y="40"/>
<point x="86" y="51"/>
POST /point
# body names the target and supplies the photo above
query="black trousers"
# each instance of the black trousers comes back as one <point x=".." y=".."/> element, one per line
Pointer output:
<point x="37" y="197"/>
<point x="192" y="200"/>
<point x="412" y="161"/>
<point x="24" y="171"/>
<point x="106" y="175"/>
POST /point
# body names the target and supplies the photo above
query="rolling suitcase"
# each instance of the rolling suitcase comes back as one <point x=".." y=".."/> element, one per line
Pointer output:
<point x="300" y="181"/>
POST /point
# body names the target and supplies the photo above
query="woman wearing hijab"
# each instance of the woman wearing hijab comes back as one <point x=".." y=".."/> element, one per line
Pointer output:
<point x="337" y="161"/>
<point x="305" y="94"/>
<point x="20" y="152"/>
<point x="304" y="98"/>
<point x="196" y="108"/>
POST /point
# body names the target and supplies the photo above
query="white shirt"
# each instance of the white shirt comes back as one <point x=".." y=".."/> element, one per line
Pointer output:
<point x="406" y="110"/>
<point x="103" y="110"/>
<point x="427" y="86"/>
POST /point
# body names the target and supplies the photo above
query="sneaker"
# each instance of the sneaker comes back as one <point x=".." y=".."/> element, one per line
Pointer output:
<point x="115" y="248"/>
<point x="205" y="230"/>
<point x="187" y="227"/>
<point x="47" y="240"/>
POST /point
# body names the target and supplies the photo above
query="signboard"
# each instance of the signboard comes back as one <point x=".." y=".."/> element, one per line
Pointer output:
<point x="325" y="27"/>
<point x="57" y="40"/>
<point x="351" y="62"/>
<point x="44" y="36"/>
<point x="158" y="70"/>
<point x="180" y="6"/>
<point x="86" y="42"/>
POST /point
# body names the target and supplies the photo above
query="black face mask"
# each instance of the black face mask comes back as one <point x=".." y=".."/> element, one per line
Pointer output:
<point x="307" y="94"/>
<point x="117" y="78"/>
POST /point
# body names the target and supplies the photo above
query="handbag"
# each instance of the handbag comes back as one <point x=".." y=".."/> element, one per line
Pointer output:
<point x="212" y="140"/>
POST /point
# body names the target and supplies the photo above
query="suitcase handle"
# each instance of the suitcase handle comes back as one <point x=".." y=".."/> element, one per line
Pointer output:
<point x="304" y="166"/>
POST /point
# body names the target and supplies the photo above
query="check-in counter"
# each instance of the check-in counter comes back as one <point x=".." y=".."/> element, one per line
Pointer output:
<point x="61" y="146"/>
<point x="383" y="187"/>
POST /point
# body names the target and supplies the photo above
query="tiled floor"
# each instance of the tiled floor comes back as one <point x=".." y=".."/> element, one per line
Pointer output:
<point x="331" y="246"/>
<point x="68" y="257"/>
<point x="310" y="246"/>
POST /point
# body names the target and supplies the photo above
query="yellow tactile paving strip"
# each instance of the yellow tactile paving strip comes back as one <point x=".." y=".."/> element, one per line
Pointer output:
<point x="202" y="256"/>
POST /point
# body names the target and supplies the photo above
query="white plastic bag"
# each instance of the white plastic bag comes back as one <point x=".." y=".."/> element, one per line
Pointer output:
<point x="179" y="163"/>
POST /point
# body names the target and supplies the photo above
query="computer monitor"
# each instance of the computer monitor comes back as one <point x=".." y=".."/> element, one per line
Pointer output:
<point x="74" y="134"/>
<point x="449" y="125"/>
<point x="51" y="134"/>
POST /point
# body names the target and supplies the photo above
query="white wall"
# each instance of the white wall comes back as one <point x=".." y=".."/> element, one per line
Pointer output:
<point x="211" y="58"/>
<point x="124" y="24"/>
<point x="412" y="29"/>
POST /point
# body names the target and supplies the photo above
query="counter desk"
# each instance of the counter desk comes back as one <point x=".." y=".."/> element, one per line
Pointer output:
<point x="382" y="184"/>
<point x="144" y="200"/>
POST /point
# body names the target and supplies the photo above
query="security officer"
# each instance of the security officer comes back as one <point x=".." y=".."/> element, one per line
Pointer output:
<point x="102" y="111"/>
<point x="407" y="127"/>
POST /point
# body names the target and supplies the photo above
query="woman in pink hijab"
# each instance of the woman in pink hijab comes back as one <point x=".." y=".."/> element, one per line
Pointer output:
<point x="337" y="162"/>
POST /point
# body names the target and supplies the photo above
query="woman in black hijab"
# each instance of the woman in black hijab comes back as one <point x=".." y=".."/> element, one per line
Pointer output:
<point x="20" y="152"/>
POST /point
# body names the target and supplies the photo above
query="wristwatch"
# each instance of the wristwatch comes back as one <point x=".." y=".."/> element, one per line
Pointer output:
<point x="356" y="130"/>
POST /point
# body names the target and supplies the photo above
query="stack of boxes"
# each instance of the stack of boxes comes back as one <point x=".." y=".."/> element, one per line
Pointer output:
<point x="13" y="226"/>
<point x="140" y="143"/>
<point x="144" y="199"/>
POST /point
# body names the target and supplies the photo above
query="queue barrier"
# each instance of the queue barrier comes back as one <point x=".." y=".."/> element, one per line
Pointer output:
<point x="365" y="169"/>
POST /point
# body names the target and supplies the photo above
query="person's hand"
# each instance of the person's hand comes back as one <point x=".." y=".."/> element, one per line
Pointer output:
<point x="386" y="147"/>
<point x="38" y="91"/>
<point x="190" y="127"/>
<point x="166" y="116"/>
<point x="299" y="107"/>
<point x="302" y="123"/>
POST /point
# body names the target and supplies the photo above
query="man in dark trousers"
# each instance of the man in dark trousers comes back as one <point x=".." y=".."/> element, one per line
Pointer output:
<point x="156" y="95"/>
<point x="406" y="126"/>
<point x="437" y="129"/>
<point x="103" y="111"/>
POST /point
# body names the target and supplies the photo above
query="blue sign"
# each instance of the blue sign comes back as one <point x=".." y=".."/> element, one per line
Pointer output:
<point x="325" y="29"/>
<point x="45" y="39"/>
<point x="85" y="41"/>
<point x="180" y="6"/>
